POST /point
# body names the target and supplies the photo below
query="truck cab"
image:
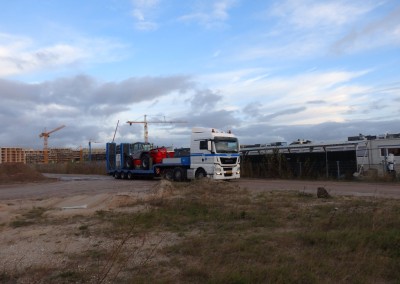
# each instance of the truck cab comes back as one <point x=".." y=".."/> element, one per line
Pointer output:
<point x="214" y="154"/>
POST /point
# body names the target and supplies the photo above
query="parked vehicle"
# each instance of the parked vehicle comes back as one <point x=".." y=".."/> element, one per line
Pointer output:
<point x="212" y="153"/>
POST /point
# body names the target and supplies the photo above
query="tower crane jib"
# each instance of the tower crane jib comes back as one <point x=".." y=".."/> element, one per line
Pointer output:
<point x="145" y="122"/>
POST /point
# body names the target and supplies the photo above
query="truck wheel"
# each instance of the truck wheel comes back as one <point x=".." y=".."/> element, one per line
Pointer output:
<point x="117" y="175"/>
<point x="168" y="174"/>
<point x="200" y="173"/>
<point x="178" y="174"/>
<point x="123" y="175"/>
<point x="145" y="161"/>
<point x="130" y="175"/>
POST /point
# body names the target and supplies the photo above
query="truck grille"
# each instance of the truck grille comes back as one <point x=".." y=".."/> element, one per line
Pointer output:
<point x="227" y="161"/>
<point x="228" y="172"/>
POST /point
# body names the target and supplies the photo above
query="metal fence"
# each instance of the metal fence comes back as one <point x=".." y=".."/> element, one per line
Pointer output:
<point x="331" y="165"/>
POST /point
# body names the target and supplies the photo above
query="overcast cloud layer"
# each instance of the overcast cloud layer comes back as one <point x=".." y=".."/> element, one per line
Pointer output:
<point x="270" y="71"/>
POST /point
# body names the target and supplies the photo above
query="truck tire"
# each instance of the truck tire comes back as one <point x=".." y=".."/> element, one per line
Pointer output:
<point x="200" y="173"/>
<point x="123" y="175"/>
<point x="179" y="174"/>
<point x="145" y="162"/>
<point x="168" y="174"/>
<point x="117" y="175"/>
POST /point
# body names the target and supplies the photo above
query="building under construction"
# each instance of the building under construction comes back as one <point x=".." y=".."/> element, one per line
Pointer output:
<point x="55" y="155"/>
<point x="65" y="155"/>
<point x="12" y="155"/>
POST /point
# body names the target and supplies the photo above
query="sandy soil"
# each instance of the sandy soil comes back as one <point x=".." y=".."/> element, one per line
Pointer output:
<point x="69" y="202"/>
<point x="67" y="196"/>
<point x="80" y="194"/>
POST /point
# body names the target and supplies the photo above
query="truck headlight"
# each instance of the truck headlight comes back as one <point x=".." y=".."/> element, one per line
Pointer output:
<point x="218" y="169"/>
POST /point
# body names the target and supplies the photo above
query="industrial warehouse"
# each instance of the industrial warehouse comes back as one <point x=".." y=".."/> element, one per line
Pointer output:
<point x="358" y="156"/>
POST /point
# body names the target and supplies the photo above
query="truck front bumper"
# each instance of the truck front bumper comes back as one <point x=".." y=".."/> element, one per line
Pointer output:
<point x="227" y="172"/>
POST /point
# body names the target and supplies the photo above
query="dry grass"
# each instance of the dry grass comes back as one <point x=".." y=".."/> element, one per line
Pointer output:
<point x="215" y="232"/>
<point x="87" y="168"/>
<point x="18" y="173"/>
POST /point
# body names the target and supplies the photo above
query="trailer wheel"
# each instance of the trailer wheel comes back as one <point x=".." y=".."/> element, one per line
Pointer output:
<point x="200" y="173"/>
<point x="179" y="174"/>
<point x="123" y="175"/>
<point x="130" y="175"/>
<point x="145" y="161"/>
<point x="168" y="174"/>
<point x="117" y="175"/>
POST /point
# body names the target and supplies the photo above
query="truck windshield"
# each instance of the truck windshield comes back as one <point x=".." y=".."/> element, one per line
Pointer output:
<point x="226" y="145"/>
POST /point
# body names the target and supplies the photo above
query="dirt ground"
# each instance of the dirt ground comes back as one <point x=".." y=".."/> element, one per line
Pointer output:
<point x="65" y="197"/>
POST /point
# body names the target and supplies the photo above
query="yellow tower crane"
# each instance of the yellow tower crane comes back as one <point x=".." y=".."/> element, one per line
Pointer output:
<point x="146" y="129"/>
<point x="46" y="136"/>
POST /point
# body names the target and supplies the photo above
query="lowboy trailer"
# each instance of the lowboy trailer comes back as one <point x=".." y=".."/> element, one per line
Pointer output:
<point x="213" y="154"/>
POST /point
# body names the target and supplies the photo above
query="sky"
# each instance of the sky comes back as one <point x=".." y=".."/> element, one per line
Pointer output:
<point x="269" y="70"/>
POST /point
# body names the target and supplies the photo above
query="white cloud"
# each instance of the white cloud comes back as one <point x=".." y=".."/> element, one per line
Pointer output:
<point x="308" y="28"/>
<point x="309" y="14"/>
<point x="144" y="14"/>
<point x="210" y="15"/>
<point x="220" y="8"/>
<point x="10" y="42"/>
<point x="21" y="55"/>
<point x="302" y="30"/>
<point x="285" y="99"/>
<point x="25" y="60"/>
<point x="297" y="47"/>
<point x="382" y="32"/>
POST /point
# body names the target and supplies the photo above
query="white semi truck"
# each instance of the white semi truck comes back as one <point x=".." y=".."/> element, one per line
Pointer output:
<point x="212" y="153"/>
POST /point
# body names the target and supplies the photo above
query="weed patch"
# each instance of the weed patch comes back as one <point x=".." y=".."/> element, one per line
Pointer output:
<point x="211" y="232"/>
<point x="33" y="216"/>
